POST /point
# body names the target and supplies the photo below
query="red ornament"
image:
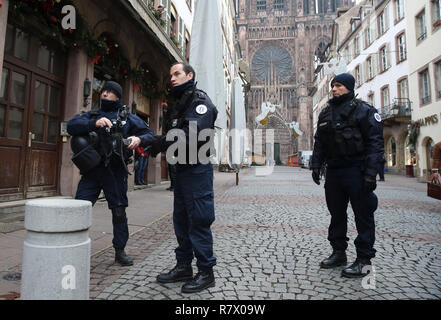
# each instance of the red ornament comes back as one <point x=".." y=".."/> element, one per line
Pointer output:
<point x="96" y="59"/>
<point x="1" y="3"/>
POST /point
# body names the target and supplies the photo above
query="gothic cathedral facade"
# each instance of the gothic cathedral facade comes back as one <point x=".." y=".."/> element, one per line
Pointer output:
<point x="279" y="39"/>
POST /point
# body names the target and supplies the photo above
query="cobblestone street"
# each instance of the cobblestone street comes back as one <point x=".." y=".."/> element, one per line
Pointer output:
<point x="270" y="236"/>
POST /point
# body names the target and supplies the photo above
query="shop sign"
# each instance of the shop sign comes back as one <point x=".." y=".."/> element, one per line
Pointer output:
<point x="433" y="119"/>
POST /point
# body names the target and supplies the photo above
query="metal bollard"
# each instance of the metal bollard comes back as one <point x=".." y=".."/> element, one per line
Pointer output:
<point x="56" y="251"/>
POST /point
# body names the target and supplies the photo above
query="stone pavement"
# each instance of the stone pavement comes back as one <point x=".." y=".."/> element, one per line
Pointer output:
<point x="270" y="236"/>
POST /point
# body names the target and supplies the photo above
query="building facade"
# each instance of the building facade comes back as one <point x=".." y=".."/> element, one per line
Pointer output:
<point x="279" y="39"/>
<point x="370" y="39"/>
<point x="424" y="54"/>
<point x="377" y="57"/>
<point x="54" y="67"/>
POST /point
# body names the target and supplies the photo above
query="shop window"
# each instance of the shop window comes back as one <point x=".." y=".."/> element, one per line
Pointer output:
<point x="15" y="123"/>
<point x="4" y="84"/>
<point x="18" y="90"/>
<point x="17" y="43"/>
<point x="2" y="120"/>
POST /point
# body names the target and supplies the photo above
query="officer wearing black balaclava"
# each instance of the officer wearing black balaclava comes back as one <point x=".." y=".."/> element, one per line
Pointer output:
<point x="103" y="141"/>
<point x="349" y="141"/>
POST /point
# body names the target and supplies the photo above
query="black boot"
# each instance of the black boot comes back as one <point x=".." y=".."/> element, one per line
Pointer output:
<point x="122" y="258"/>
<point x="204" y="279"/>
<point x="355" y="270"/>
<point x="181" y="272"/>
<point x="336" y="259"/>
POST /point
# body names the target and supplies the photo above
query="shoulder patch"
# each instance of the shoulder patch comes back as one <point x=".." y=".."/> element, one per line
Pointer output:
<point x="377" y="117"/>
<point x="201" y="109"/>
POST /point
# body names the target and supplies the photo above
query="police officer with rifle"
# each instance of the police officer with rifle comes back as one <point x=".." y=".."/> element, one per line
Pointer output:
<point x="103" y="142"/>
<point x="349" y="141"/>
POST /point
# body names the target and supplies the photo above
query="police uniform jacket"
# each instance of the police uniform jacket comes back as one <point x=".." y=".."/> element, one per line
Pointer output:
<point x="193" y="106"/>
<point x="349" y="132"/>
<point x="84" y="123"/>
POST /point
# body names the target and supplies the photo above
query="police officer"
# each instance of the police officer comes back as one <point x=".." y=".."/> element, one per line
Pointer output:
<point x="349" y="139"/>
<point x="108" y="171"/>
<point x="193" y="211"/>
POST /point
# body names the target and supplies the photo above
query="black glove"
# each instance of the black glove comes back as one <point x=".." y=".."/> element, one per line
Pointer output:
<point x="369" y="184"/>
<point x="155" y="146"/>
<point x="316" y="175"/>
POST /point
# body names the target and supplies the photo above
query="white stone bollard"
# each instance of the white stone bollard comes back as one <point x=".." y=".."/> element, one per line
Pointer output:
<point x="56" y="251"/>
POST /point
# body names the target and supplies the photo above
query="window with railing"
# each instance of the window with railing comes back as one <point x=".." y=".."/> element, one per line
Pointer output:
<point x="403" y="89"/>
<point x="401" y="47"/>
<point x="424" y="83"/>
<point x="261" y="5"/>
<point x="385" y="97"/>
<point x="421" y="26"/>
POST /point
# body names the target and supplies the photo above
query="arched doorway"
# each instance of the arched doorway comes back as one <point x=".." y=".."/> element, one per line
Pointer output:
<point x="391" y="153"/>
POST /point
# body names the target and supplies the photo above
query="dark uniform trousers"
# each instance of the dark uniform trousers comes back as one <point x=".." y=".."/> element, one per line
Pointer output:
<point x="113" y="182"/>
<point x="193" y="214"/>
<point x="343" y="185"/>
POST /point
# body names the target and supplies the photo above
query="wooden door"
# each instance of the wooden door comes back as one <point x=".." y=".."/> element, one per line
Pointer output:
<point x="42" y="139"/>
<point x="14" y="101"/>
<point x="30" y="113"/>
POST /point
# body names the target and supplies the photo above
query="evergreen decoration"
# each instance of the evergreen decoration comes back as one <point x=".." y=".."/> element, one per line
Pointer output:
<point x="413" y="132"/>
<point x="45" y="16"/>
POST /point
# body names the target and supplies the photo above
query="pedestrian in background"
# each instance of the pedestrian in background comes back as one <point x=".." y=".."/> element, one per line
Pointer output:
<point x="349" y="139"/>
<point x="193" y="207"/>
<point x="172" y="174"/>
<point x="109" y="172"/>
<point x="381" y="169"/>
<point x="141" y="158"/>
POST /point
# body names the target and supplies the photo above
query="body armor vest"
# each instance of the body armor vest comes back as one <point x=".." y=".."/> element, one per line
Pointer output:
<point x="340" y="131"/>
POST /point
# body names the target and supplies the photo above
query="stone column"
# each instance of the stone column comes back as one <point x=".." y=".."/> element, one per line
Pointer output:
<point x="78" y="69"/>
<point x="56" y="251"/>
<point x="3" y="27"/>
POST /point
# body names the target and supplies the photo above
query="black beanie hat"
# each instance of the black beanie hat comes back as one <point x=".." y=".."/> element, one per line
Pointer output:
<point x="345" y="79"/>
<point x="114" y="87"/>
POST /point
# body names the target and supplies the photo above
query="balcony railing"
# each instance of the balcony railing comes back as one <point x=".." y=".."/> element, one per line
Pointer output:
<point x="400" y="107"/>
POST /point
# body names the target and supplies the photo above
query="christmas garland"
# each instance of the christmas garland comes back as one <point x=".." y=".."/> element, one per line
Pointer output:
<point x="413" y="132"/>
<point x="46" y="17"/>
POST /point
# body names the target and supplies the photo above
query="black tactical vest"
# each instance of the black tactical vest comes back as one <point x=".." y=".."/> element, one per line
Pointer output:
<point x="340" y="131"/>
